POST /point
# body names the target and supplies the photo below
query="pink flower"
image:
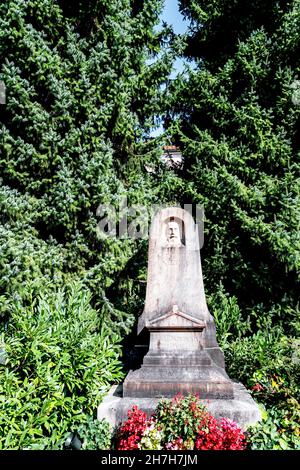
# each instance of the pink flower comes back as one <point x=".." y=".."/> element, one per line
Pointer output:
<point x="220" y="435"/>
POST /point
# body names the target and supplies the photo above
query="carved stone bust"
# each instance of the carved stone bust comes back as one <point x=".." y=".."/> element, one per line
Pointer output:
<point x="173" y="234"/>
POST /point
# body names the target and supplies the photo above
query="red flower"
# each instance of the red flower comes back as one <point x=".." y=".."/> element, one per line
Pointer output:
<point x="211" y="433"/>
<point x="257" y="387"/>
<point x="131" y="432"/>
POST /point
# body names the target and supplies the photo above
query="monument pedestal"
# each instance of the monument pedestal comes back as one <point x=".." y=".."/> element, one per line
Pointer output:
<point x="241" y="408"/>
<point x="177" y="362"/>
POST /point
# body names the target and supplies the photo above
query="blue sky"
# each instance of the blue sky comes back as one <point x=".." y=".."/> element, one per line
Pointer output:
<point x="172" y="16"/>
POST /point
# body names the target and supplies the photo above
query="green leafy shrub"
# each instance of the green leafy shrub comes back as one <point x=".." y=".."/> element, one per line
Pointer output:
<point x="268" y="358"/>
<point x="60" y="361"/>
<point x="228" y="316"/>
<point x="152" y="438"/>
<point x="279" y="430"/>
<point x="94" y="434"/>
<point x="180" y="416"/>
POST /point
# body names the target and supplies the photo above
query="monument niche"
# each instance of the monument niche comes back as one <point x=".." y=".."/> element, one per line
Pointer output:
<point x="183" y="354"/>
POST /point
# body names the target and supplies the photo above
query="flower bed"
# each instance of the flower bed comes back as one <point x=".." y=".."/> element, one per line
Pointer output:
<point x="182" y="423"/>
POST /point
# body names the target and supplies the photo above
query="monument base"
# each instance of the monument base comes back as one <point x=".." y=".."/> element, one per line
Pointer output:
<point x="242" y="408"/>
<point x="210" y="382"/>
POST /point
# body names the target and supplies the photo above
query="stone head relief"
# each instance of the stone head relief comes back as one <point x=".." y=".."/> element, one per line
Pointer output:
<point x="174" y="232"/>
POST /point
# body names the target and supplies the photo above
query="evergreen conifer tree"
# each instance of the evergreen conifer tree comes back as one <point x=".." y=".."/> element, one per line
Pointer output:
<point x="83" y="92"/>
<point x="238" y="126"/>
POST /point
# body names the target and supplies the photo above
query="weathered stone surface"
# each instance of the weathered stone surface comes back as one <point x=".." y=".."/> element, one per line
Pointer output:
<point x="174" y="268"/>
<point x="183" y="352"/>
<point x="242" y="408"/>
<point x="159" y="381"/>
<point x="175" y="275"/>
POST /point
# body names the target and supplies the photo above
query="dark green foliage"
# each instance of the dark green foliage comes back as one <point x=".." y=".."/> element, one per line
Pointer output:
<point x="268" y="364"/>
<point x="80" y="97"/>
<point x="228" y="317"/>
<point x="84" y="85"/>
<point x="238" y="126"/>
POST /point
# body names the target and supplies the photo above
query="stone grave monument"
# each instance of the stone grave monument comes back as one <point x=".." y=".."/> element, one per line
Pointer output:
<point x="182" y="351"/>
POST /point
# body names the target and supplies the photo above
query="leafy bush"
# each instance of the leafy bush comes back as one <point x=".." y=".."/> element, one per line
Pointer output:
<point x="81" y="96"/>
<point x="279" y="430"/>
<point x="180" y="417"/>
<point x="267" y="358"/>
<point x="59" y="363"/>
<point x="152" y="437"/>
<point x="227" y="315"/>
<point x="268" y="363"/>
<point x="94" y="434"/>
